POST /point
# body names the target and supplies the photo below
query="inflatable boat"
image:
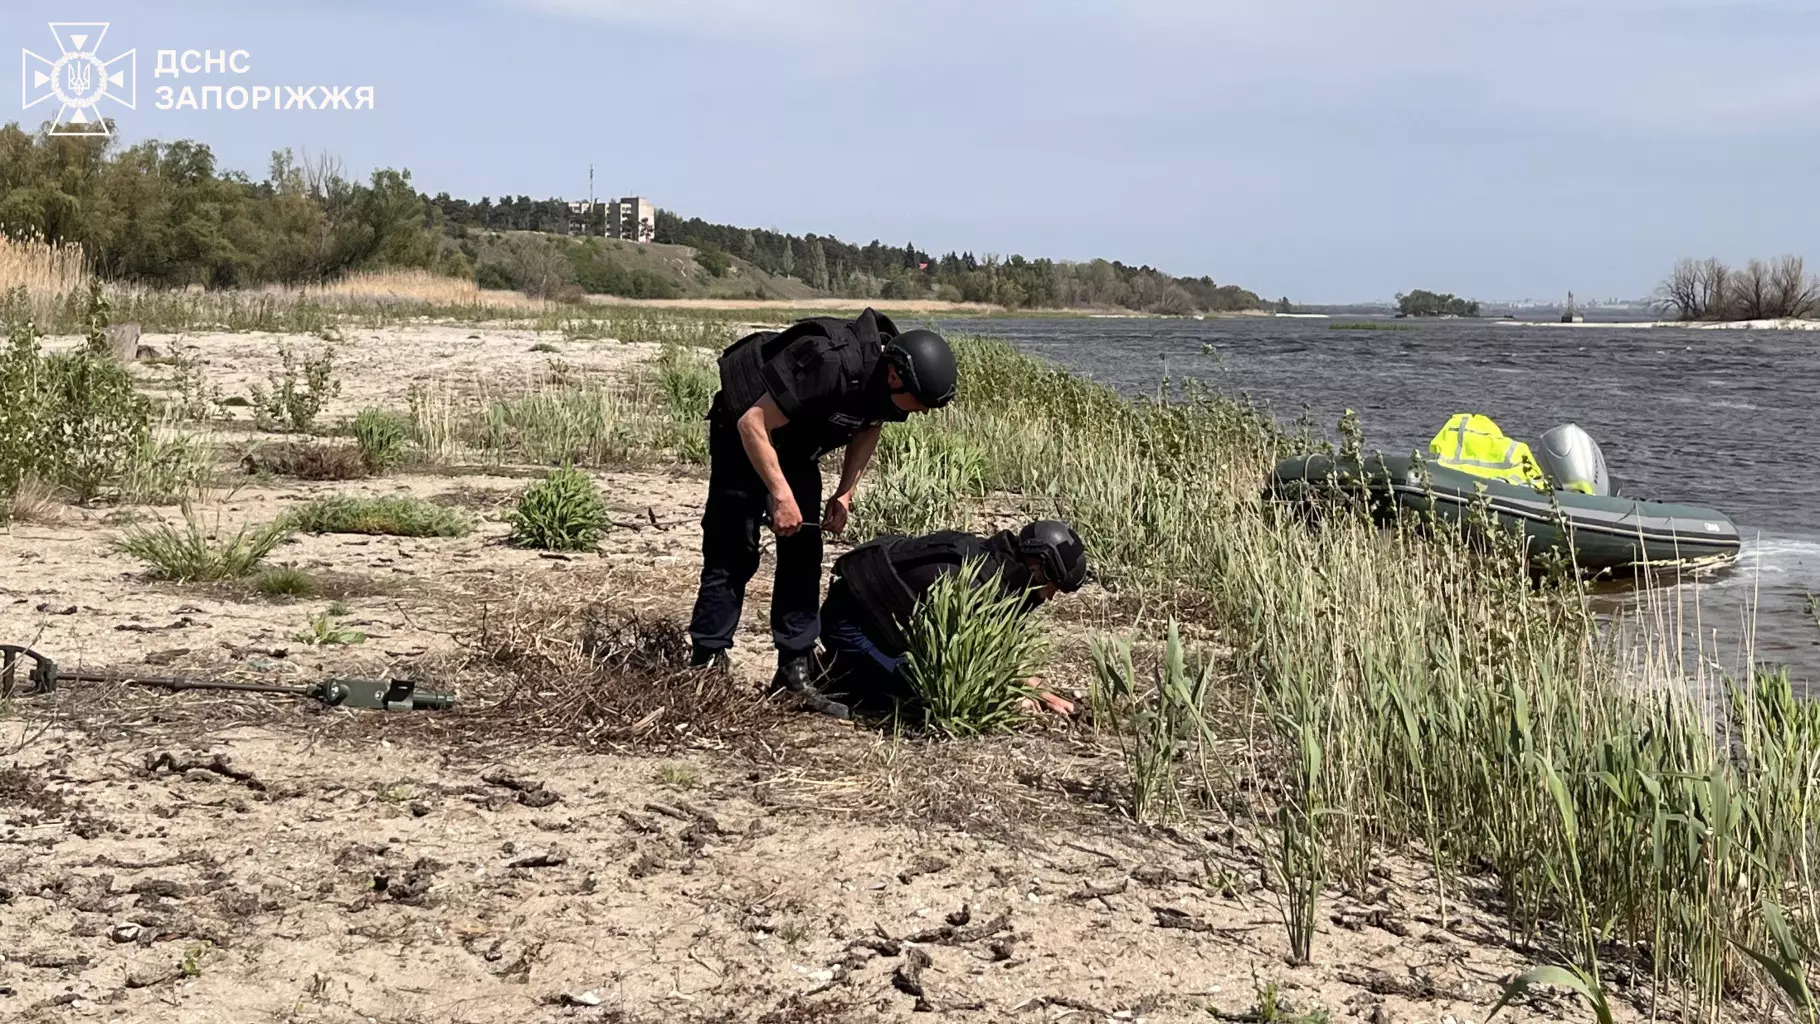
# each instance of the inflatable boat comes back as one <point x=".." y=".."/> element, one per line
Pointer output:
<point x="1604" y="533"/>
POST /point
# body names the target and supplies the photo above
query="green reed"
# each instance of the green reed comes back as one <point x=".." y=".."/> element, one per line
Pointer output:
<point x="1419" y="691"/>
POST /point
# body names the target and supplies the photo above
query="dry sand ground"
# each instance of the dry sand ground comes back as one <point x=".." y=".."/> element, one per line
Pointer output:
<point x="196" y="858"/>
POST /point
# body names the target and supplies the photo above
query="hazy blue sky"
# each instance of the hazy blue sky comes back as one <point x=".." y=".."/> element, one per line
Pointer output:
<point x="1333" y="150"/>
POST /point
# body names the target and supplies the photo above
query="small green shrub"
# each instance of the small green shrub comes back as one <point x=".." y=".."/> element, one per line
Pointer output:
<point x="391" y="515"/>
<point x="714" y="261"/>
<point x="292" y="403"/>
<point x="972" y="647"/>
<point x="324" y="631"/>
<point x="285" y="581"/>
<point x="95" y="421"/>
<point x="562" y="512"/>
<point x="381" y="436"/>
<point x="196" y="398"/>
<point x="193" y="958"/>
<point x="190" y="555"/>
<point x="72" y="420"/>
<point x="494" y="276"/>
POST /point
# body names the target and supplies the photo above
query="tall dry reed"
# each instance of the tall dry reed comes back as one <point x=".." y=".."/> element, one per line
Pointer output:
<point x="52" y="273"/>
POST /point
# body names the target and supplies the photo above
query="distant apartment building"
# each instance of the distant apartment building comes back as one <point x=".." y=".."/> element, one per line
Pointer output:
<point x="579" y="218"/>
<point x="632" y="218"/>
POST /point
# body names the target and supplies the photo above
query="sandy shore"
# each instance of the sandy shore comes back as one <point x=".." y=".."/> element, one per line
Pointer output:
<point x="204" y="859"/>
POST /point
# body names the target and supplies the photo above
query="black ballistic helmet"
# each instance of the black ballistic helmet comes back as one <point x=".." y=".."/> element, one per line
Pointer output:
<point x="926" y="364"/>
<point x="1063" y="555"/>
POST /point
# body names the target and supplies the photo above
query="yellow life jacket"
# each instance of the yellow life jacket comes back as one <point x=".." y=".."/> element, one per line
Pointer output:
<point x="1473" y="444"/>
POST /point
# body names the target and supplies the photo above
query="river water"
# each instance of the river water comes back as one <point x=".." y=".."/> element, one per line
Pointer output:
<point x="1726" y="419"/>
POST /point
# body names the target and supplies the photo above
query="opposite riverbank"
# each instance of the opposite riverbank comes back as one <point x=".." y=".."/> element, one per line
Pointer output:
<point x="1375" y="776"/>
<point x="1786" y="324"/>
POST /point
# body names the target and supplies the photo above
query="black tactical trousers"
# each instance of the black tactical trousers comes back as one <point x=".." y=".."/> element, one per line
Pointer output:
<point x="730" y="527"/>
<point x="854" y="669"/>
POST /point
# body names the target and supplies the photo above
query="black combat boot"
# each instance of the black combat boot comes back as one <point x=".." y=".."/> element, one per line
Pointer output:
<point x="708" y="657"/>
<point x="795" y="673"/>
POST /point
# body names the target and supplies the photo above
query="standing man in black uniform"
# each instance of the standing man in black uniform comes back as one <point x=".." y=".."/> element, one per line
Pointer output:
<point x="786" y="399"/>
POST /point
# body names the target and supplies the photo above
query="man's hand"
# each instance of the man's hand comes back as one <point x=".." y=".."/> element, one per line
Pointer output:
<point x="1044" y="700"/>
<point x="853" y="463"/>
<point x="786" y="518"/>
<point x="834" y="517"/>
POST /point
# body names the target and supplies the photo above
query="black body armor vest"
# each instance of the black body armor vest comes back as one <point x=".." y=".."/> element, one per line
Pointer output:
<point x="832" y="366"/>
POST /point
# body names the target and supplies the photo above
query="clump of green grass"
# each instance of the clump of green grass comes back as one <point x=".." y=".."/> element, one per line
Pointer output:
<point x="566" y="425"/>
<point x="1157" y="726"/>
<point x="191" y="555"/>
<point x="1272" y="1008"/>
<point x="681" y="776"/>
<point x="926" y="478"/>
<point x="793" y="933"/>
<point x="169" y="465"/>
<point x="972" y="649"/>
<point x="562" y="512"/>
<point x="389" y="515"/>
<point x="381" y="436"/>
<point x="687" y="381"/>
<point x="286" y="581"/>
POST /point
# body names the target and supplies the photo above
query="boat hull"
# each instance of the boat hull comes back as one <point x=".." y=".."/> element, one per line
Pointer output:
<point x="1602" y="534"/>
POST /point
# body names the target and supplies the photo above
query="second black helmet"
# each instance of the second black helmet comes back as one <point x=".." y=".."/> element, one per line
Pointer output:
<point x="1063" y="555"/>
<point x="926" y="364"/>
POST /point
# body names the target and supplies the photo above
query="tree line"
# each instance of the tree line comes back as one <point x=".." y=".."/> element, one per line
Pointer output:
<point x="164" y="213"/>
<point x="1425" y="303"/>
<point x="908" y="271"/>
<point x="1710" y="290"/>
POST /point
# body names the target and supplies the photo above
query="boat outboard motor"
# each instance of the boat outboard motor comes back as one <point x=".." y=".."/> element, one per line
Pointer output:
<point x="1573" y="461"/>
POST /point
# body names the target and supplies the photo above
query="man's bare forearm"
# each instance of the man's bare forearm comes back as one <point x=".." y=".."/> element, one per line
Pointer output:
<point x="755" y="436"/>
<point x="854" y="462"/>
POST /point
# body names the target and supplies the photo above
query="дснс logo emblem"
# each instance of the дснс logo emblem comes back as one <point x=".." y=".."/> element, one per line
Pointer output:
<point x="78" y="78"/>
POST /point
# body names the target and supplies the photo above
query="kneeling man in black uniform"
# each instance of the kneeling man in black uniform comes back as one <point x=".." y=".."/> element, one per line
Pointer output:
<point x="877" y="585"/>
<point x="786" y="399"/>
